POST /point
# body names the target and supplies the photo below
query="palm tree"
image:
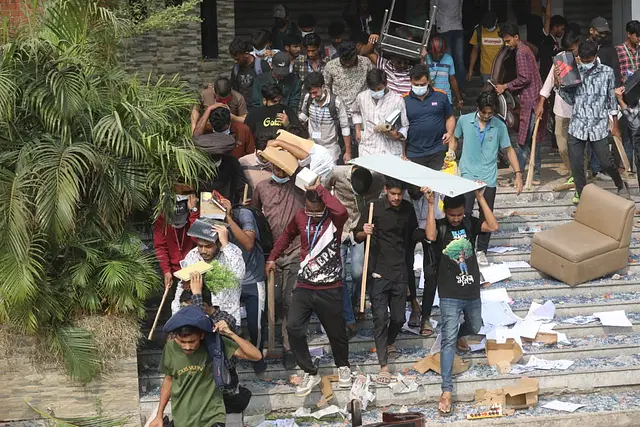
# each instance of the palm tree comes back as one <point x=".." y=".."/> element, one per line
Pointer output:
<point x="83" y="146"/>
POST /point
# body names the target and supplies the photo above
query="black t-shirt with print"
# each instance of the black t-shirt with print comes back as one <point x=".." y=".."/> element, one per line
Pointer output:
<point x="458" y="273"/>
<point x="242" y="81"/>
<point x="264" y="119"/>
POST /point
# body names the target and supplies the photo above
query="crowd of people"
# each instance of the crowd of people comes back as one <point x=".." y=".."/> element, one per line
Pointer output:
<point x="349" y="100"/>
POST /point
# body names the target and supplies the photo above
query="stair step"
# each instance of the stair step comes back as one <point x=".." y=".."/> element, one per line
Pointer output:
<point x="584" y="374"/>
<point x="602" y="409"/>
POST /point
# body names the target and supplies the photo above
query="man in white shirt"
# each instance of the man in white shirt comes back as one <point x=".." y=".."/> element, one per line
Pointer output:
<point x="371" y="112"/>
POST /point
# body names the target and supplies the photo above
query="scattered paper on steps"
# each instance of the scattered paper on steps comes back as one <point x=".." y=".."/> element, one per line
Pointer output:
<point x="329" y="410"/>
<point x="404" y="385"/>
<point x="613" y="318"/>
<point x="516" y="264"/>
<point x="581" y="320"/>
<point x="529" y="229"/>
<point x="548" y="365"/>
<point x="286" y="422"/>
<point x="494" y="295"/>
<point x="526" y="329"/>
<point x="498" y="314"/>
<point x="360" y="390"/>
<point x="557" y="405"/>
<point x="479" y="346"/>
<point x="495" y="273"/>
<point x="544" y="312"/>
<point x="501" y="249"/>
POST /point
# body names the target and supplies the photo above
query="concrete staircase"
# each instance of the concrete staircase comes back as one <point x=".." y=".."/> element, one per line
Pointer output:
<point x="605" y="376"/>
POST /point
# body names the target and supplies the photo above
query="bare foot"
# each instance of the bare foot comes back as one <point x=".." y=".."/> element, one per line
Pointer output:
<point x="462" y="345"/>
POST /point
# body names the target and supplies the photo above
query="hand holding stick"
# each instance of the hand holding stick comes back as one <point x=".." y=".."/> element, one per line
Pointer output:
<point x="363" y="291"/>
<point x="155" y="322"/>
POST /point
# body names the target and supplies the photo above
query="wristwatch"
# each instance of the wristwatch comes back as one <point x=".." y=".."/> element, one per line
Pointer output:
<point x="194" y="209"/>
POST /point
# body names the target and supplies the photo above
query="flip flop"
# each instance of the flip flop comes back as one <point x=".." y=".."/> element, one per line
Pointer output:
<point x="462" y="345"/>
<point x="426" y="330"/>
<point x="383" y="378"/>
<point x="392" y="352"/>
<point x="446" y="401"/>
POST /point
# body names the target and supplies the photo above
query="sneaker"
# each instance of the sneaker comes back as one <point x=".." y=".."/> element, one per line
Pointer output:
<point x="307" y="384"/>
<point x="481" y="257"/>
<point x="344" y="377"/>
<point x="289" y="361"/>
<point x="603" y="177"/>
<point x="570" y="181"/>
<point x="352" y="331"/>
<point x="624" y="191"/>
<point x="535" y="181"/>
<point x="576" y="198"/>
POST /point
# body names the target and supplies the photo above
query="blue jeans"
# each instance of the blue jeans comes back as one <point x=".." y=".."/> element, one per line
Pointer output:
<point x="523" y="152"/>
<point x="485" y="78"/>
<point x="450" y="311"/>
<point x="352" y="292"/>
<point x="455" y="43"/>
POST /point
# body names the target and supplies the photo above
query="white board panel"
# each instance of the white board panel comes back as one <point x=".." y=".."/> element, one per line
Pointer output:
<point x="413" y="173"/>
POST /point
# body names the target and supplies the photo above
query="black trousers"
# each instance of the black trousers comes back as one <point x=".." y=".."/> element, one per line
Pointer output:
<point x="601" y="150"/>
<point x="429" y="291"/>
<point x="387" y="296"/>
<point x="432" y="161"/>
<point x="328" y="306"/>
<point x="470" y="200"/>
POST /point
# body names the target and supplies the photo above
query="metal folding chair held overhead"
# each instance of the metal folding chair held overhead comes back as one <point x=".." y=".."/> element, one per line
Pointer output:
<point x="390" y="44"/>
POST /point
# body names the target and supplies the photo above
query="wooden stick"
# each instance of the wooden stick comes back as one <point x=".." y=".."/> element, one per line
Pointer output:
<point x="155" y="322"/>
<point x="246" y="193"/>
<point x="363" y="289"/>
<point x="532" y="157"/>
<point x="620" y="147"/>
<point x="271" y="302"/>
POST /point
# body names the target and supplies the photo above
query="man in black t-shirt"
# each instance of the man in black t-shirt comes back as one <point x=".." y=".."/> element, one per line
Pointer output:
<point x="458" y="277"/>
<point x="272" y="116"/>
<point x="246" y="68"/>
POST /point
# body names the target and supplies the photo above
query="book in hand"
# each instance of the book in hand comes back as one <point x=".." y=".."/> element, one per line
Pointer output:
<point x="210" y="207"/>
<point x="199" y="267"/>
<point x="202" y="228"/>
<point x="566" y="64"/>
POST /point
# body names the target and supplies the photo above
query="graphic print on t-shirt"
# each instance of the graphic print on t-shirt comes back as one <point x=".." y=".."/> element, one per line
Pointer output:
<point x="458" y="250"/>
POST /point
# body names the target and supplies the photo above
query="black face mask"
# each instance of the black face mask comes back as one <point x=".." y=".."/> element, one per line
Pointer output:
<point x="279" y="22"/>
<point x="599" y="38"/>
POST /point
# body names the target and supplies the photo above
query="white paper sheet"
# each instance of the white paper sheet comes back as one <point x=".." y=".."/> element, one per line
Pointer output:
<point x="528" y="329"/>
<point x="494" y="295"/>
<point x="437" y="345"/>
<point x="421" y="282"/>
<point x="478" y="347"/>
<point x="501" y="249"/>
<point x="317" y="351"/>
<point x="581" y="320"/>
<point x="547" y="365"/>
<point x="413" y="173"/>
<point x="613" y="318"/>
<point x="548" y="327"/>
<point x="495" y="273"/>
<point x="403" y="385"/>
<point x="418" y="260"/>
<point x="436" y="300"/>
<point x="529" y="229"/>
<point x="498" y="314"/>
<point x="544" y="312"/>
<point x="416" y="331"/>
<point x="516" y="264"/>
<point x="557" y="405"/>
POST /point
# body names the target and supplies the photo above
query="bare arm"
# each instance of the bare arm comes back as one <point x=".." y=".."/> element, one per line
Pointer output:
<point x="453" y="144"/>
<point x="451" y="125"/>
<point x="472" y="61"/>
<point x="490" y="223"/>
<point x="430" y="231"/>
<point x="547" y="18"/>
<point x="195" y="115"/>
<point x="296" y="151"/>
<point x="456" y="90"/>
<point x="165" y="394"/>
<point x="246" y="350"/>
<point x="202" y="122"/>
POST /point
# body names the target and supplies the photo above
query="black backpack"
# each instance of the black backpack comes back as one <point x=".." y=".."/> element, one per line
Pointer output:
<point x="266" y="237"/>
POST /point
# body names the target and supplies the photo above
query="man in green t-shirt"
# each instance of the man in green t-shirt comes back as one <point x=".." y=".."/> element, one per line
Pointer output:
<point x="187" y="367"/>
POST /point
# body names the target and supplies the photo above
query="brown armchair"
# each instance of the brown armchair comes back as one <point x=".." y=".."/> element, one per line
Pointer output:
<point x="594" y="244"/>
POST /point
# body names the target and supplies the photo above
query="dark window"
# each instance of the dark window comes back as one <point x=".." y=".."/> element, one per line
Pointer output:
<point x="209" y="15"/>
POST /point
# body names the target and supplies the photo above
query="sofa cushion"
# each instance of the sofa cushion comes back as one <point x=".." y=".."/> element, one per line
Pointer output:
<point x="575" y="242"/>
<point x="605" y="212"/>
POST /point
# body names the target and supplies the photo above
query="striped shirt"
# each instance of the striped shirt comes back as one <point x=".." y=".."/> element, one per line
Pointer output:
<point x="439" y="73"/>
<point x="397" y="81"/>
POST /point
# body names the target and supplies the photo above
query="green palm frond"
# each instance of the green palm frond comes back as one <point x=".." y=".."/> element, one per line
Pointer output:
<point x="77" y="348"/>
<point x="97" y="421"/>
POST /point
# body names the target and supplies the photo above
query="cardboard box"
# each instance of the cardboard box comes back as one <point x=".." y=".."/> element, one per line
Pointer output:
<point x="543" y="337"/>
<point x="502" y="356"/>
<point x="305" y="178"/>
<point x="185" y="273"/>
<point x="281" y="158"/>
<point x="432" y="362"/>
<point x="210" y="207"/>
<point x="305" y="144"/>
<point x="521" y="395"/>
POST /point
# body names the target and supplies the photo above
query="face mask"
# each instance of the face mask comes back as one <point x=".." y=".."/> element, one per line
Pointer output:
<point x="227" y="132"/>
<point x="588" y="66"/>
<point x="322" y="96"/>
<point x="181" y="214"/>
<point x="224" y="100"/>
<point x="419" y="90"/>
<point x="316" y="214"/>
<point x="376" y="95"/>
<point x="304" y="33"/>
<point x="598" y="38"/>
<point x="261" y="52"/>
<point x="491" y="29"/>
<point x="279" y="180"/>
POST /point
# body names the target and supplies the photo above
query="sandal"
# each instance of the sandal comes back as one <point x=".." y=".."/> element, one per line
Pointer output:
<point x="392" y="352"/>
<point x="414" y="319"/>
<point x="444" y="406"/>
<point x="383" y="378"/>
<point x="360" y="316"/>
<point x="426" y="330"/>
<point x="462" y="345"/>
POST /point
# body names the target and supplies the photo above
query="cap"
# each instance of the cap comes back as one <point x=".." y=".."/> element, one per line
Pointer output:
<point x="188" y="316"/>
<point x="279" y="11"/>
<point x="280" y="63"/>
<point x="600" y="24"/>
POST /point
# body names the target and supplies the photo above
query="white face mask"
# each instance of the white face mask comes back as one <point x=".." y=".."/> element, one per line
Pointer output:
<point x="376" y="95"/>
<point x="261" y="52"/>
<point x="419" y="90"/>
<point x="304" y="33"/>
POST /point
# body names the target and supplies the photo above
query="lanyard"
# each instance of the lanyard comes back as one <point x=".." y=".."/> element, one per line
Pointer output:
<point x="320" y="119"/>
<point x="312" y="243"/>
<point x="634" y="62"/>
<point x="481" y="133"/>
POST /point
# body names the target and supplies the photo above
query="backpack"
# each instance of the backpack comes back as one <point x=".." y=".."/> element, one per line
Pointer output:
<point x="333" y="112"/>
<point x="264" y="230"/>
<point x="224" y="372"/>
